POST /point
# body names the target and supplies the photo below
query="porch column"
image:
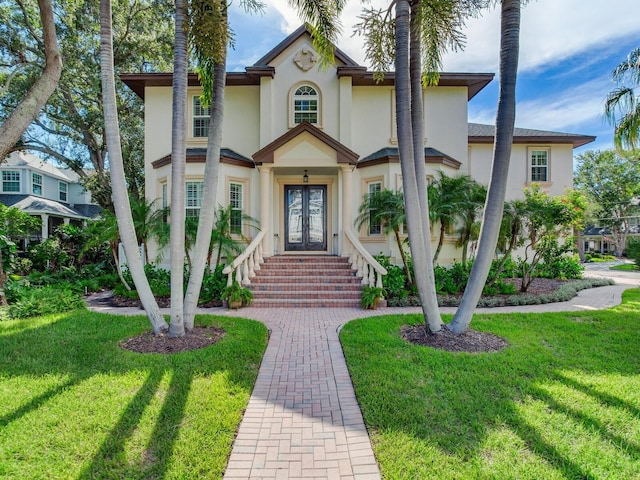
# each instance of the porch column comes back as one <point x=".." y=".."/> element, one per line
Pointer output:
<point x="266" y="204"/>
<point x="44" y="232"/>
<point x="347" y="189"/>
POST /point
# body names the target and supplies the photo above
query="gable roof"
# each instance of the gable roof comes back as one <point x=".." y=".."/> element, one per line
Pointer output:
<point x="38" y="205"/>
<point x="480" y="133"/>
<point x="287" y="42"/>
<point x="343" y="154"/>
<point x="199" y="155"/>
<point x="19" y="159"/>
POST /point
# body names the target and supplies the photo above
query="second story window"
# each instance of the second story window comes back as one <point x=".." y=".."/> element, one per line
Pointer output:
<point x="10" y="181"/>
<point x="194" y="199"/>
<point x="539" y="159"/>
<point x="200" y="118"/>
<point x="62" y="189"/>
<point x="36" y="184"/>
<point x="305" y="105"/>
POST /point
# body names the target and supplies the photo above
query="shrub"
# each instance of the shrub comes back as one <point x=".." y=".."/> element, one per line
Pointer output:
<point x="41" y="301"/>
<point x="213" y="284"/>
<point x="633" y="251"/>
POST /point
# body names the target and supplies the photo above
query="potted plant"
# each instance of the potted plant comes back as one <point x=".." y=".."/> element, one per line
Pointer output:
<point x="236" y="295"/>
<point x="371" y="297"/>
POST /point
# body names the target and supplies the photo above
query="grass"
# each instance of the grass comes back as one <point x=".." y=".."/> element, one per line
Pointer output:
<point x="561" y="402"/>
<point x="625" y="267"/>
<point x="75" y="405"/>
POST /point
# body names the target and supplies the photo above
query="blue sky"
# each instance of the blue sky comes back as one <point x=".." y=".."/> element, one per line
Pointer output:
<point x="568" y="50"/>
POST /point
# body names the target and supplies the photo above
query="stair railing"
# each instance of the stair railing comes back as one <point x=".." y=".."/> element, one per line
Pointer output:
<point x="365" y="265"/>
<point x="245" y="265"/>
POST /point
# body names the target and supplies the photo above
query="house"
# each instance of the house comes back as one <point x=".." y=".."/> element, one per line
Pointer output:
<point x="302" y="145"/>
<point x="41" y="189"/>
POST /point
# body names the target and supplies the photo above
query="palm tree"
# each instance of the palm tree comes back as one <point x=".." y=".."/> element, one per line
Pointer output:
<point x="20" y="119"/>
<point x="469" y="229"/>
<point x="148" y="221"/>
<point x="118" y="181"/>
<point x="505" y="119"/>
<point x="386" y="208"/>
<point x="449" y="198"/>
<point x="624" y="100"/>
<point x="223" y="241"/>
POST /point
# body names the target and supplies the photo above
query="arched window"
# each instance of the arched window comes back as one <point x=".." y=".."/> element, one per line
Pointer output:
<point x="305" y="105"/>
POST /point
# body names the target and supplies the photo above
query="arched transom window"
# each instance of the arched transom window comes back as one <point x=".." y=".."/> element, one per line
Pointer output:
<point x="305" y="105"/>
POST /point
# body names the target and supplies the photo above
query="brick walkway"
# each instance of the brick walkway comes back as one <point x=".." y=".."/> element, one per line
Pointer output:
<point x="303" y="420"/>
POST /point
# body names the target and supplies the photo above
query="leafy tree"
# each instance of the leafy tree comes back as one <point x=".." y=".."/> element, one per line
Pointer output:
<point x="611" y="182"/>
<point x="622" y="106"/>
<point x="546" y="221"/>
<point x="30" y="102"/>
<point x="14" y="225"/>
<point x="70" y="128"/>
<point x="118" y="181"/>
<point x="386" y="208"/>
<point x="505" y="122"/>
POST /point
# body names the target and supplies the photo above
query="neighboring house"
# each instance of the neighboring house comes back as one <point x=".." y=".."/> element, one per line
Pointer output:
<point x="38" y="188"/>
<point x="301" y="146"/>
<point x="599" y="239"/>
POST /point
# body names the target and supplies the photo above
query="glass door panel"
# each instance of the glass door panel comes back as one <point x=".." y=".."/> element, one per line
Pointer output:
<point x="305" y="217"/>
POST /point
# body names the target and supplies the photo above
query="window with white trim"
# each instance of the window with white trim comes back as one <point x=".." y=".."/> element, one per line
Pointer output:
<point x="36" y="183"/>
<point x="11" y="181"/>
<point x="165" y="203"/>
<point x="375" y="227"/>
<point x="236" y="204"/>
<point x="305" y="105"/>
<point x="539" y="161"/>
<point x="193" y="201"/>
<point x="201" y="116"/>
<point x="62" y="191"/>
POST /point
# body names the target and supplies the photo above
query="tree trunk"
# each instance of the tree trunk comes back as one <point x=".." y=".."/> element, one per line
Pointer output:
<point x="20" y="119"/>
<point x="443" y="229"/>
<point x="118" y="181"/>
<point x="494" y="206"/>
<point x="419" y="238"/>
<point x="404" y="257"/>
<point x="114" y="254"/>
<point x="178" y="162"/>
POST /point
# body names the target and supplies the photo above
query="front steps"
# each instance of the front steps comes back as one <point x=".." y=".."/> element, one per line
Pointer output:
<point x="305" y="281"/>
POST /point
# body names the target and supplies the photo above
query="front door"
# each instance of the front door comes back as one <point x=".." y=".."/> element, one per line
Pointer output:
<point x="305" y="217"/>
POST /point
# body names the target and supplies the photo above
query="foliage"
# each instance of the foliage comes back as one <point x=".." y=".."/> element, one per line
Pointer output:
<point x="558" y="263"/>
<point x="395" y="281"/>
<point x="213" y="284"/>
<point x="611" y="182"/>
<point x="622" y="107"/>
<point x="371" y="296"/>
<point x="236" y="293"/>
<point x="633" y="251"/>
<point x="159" y="281"/>
<point x="28" y="301"/>
<point x="102" y="411"/>
<point x="547" y="406"/>
<point x="70" y="128"/>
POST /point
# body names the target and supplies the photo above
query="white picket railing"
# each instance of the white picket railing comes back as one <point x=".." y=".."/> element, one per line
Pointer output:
<point x="367" y="267"/>
<point x="244" y="267"/>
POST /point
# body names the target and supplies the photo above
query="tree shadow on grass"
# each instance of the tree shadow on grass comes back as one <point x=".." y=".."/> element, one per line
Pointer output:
<point x="82" y="345"/>
<point x="454" y="400"/>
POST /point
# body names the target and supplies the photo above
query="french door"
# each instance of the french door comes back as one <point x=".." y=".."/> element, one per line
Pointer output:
<point x="305" y="217"/>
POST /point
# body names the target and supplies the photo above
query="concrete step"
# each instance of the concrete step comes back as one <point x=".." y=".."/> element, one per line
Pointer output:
<point x="307" y="303"/>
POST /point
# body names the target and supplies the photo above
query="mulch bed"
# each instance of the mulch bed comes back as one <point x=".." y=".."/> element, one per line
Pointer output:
<point x="199" y="337"/>
<point x="470" y="341"/>
<point x="163" y="302"/>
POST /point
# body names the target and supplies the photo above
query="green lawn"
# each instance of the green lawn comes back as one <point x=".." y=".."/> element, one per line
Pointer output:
<point x="75" y="405"/>
<point x="562" y="402"/>
<point x="625" y="267"/>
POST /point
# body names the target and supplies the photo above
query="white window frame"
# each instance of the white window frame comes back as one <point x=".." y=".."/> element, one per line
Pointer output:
<point x="369" y="186"/>
<point x="193" y="198"/>
<point x="236" y="202"/>
<point x="243" y="183"/>
<point x="531" y="153"/>
<point x="10" y="177"/>
<point x="36" y="183"/>
<point x="201" y="115"/>
<point x="63" y="191"/>
<point x="295" y="97"/>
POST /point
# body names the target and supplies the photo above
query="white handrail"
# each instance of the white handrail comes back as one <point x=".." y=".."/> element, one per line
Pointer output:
<point x="246" y="264"/>
<point x="367" y="267"/>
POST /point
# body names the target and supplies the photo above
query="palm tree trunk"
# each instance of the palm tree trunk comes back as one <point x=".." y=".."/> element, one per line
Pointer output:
<point x="13" y="127"/>
<point x="413" y="203"/>
<point x="207" y="214"/>
<point x="494" y="206"/>
<point x="114" y="254"/>
<point x="440" y="243"/>
<point x="178" y="162"/>
<point x="403" y="256"/>
<point x="118" y="181"/>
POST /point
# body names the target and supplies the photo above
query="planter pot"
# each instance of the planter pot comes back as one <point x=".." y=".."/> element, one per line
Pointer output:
<point x="235" y="304"/>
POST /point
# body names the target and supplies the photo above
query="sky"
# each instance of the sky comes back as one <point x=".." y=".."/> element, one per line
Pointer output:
<point x="568" y="49"/>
